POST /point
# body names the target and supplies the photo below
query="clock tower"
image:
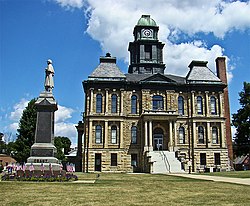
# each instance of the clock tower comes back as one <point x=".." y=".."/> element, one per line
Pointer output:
<point x="146" y="50"/>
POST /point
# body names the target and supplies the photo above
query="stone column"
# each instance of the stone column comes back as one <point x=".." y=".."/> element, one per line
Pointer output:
<point x="90" y="134"/>
<point x="193" y="103"/>
<point x="106" y="101"/>
<point x="121" y="134"/>
<point x="121" y="103"/>
<point x="222" y="135"/>
<point x="91" y="100"/>
<point x="146" y="135"/>
<point x="207" y="104"/>
<point x="194" y="134"/>
<point x="106" y="134"/>
<point x="150" y="136"/>
<point x="209" y="137"/>
<point x="220" y="104"/>
<point x="170" y="136"/>
<point x="175" y="136"/>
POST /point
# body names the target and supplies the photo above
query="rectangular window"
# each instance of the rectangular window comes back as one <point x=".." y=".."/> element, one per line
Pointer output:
<point x="203" y="160"/>
<point x="148" y="52"/>
<point x="217" y="158"/>
<point x="134" y="160"/>
<point x="113" y="159"/>
<point x="113" y="136"/>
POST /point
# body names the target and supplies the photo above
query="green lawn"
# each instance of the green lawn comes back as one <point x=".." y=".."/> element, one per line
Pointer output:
<point x="236" y="174"/>
<point x="125" y="189"/>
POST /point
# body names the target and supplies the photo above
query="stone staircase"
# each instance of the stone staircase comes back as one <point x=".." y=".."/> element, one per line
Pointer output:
<point x="163" y="162"/>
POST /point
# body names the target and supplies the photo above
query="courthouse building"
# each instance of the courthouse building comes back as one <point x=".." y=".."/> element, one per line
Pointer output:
<point x="151" y="121"/>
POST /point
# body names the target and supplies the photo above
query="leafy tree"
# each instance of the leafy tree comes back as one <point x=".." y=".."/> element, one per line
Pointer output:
<point x="62" y="145"/>
<point x="241" y="120"/>
<point x="20" y="149"/>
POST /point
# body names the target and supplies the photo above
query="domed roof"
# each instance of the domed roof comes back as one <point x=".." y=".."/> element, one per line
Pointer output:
<point x="145" y="20"/>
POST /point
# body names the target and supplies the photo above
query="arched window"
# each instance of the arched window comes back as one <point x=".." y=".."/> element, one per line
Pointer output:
<point x="181" y="135"/>
<point x="134" y="135"/>
<point x="157" y="102"/>
<point x="181" y="105"/>
<point x="214" y="135"/>
<point x="213" y="105"/>
<point x="134" y="104"/>
<point x="98" y="103"/>
<point x="98" y="134"/>
<point x="114" y="103"/>
<point x="201" y="139"/>
<point x="199" y="105"/>
<point x="113" y="134"/>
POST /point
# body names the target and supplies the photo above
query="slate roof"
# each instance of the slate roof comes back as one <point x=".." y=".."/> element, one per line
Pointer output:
<point x="141" y="77"/>
<point x="107" y="69"/>
<point x="200" y="73"/>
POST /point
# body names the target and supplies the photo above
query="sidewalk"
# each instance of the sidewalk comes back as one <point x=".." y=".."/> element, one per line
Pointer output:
<point x="242" y="181"/>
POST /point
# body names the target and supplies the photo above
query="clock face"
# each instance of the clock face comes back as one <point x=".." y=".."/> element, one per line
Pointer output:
<point x="147" y="33"/>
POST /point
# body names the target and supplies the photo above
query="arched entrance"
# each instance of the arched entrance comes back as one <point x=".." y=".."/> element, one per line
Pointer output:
<point x="158" y="139"/>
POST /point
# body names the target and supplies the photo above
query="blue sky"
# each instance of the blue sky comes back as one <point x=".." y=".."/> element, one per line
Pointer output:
<point x="75" y="33"/>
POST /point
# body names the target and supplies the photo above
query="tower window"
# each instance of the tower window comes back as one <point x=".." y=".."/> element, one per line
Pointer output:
<point x="148" y="52"/>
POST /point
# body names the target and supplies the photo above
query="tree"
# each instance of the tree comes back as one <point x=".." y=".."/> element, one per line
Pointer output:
<point x="20" y="149"/>
<point x="62" y="145"/>
<point x="241" y="120"/>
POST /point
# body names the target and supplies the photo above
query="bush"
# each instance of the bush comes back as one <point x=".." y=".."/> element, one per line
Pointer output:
<point x="40" y="178"/>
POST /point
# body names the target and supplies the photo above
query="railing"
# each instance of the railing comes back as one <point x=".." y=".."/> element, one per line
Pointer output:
<point x="166" y="162"/>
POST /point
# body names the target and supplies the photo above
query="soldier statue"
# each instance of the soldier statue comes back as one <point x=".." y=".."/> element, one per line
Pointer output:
<point x="49" y="73"/>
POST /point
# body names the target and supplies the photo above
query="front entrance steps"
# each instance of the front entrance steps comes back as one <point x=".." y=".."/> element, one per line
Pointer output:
<point x="162" y="162"/>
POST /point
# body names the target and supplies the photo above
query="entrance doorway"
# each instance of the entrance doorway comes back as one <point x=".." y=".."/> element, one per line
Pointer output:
<point x="158" y="139"/>
<point x="98" y="162"/>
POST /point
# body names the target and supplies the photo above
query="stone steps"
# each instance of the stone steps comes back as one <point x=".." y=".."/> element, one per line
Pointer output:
<point x="164" y="162"/>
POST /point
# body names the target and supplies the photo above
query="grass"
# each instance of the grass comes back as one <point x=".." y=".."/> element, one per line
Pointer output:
<point x="125" y="189"/>
<point x="236" y="174"/>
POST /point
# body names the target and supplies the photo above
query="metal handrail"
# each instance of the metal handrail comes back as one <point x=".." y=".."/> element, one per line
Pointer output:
<point x="165" y="161"/>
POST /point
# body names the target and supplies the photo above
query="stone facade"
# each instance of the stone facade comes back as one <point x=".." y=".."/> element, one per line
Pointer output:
<point x="128" y="116"/>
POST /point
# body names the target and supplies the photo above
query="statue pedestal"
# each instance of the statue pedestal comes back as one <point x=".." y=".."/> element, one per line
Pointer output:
<point x="43" y="150"/>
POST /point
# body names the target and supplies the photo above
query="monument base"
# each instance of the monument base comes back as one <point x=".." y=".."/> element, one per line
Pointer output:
<point x="43" y="150"/>
<point x="46" y="166"/>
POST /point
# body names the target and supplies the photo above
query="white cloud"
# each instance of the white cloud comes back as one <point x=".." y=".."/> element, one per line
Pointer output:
<point x="70" y="3"/>
<point x="14" y="126"/>
<point x="179" y="56"/>
<point x="18" y="109"/>
<point x="63" y="113"/>
<point x="66" y="130"/>
<point x="62" y="128"/>
<point x="111" y="23"/>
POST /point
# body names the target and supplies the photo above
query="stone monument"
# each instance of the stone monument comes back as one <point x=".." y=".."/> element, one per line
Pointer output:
<point x="43" y="150"/>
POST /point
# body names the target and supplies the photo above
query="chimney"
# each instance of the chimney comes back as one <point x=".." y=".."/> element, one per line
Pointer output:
<point x="221" y="69"/>
<point x="222" y="74"/>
